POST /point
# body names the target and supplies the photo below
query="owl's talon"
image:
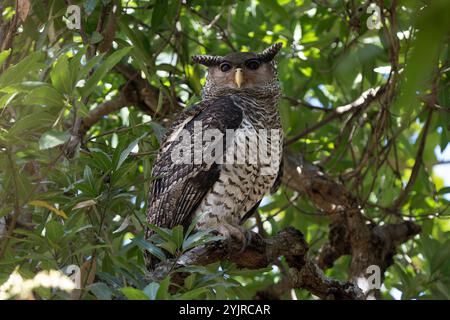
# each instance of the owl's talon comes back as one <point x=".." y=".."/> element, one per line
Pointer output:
<point x="247" y="239"/>
<point x="235" y="232"/>
<point x="239" y="233"/>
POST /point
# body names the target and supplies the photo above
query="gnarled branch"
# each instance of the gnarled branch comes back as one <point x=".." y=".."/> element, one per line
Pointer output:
<point x="350" y="232"/>
<point x="259" y="253"/>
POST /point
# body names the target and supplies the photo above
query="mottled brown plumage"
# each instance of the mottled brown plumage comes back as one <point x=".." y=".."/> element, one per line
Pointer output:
<point x="241" y="92"/>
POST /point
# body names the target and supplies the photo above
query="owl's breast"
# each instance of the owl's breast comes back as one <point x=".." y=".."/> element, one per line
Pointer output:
<point x="250" y="169"/>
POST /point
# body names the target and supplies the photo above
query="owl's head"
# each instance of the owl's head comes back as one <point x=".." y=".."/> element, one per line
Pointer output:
<point x="240" y="70"/>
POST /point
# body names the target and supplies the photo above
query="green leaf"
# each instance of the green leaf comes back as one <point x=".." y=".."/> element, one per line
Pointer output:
<point x="440" y="258"/>
<point x="96" y="37"/>
<point x="83" y="73"/>
<point x="163" y="290"/>
<point x="159" y="130"/>
<point x="160" y="99"/>
<point x="100" y="290"/>
<point x="193" y="294"/>
<point x="177" y="235"/>
<point x="45" y="95"/>
<point x="24" y="86"/>
<point x="30" y="122"/>
<point x="89" y="6"/>
<point x="192" y="225"/>
<point x="444" y="190"/>
<point x="101" y="160"/>
<point x="189" y="281"/>
<point x="274" y="6"/>
<point x="4" y="55"/>
<point x="52" y="139"/>
<point x="134" y="294"/>
<point x="54" y="231"/>
<point x="169" y="246"/>
<point x="159" y="12"/>
<point x="103" y="70"/>
<point x="433" y="25"/>
<point x="154" y="250"/>
<point x="61" y="76"/>
<point x="88" y="179"/>
<point x="124" y="154"/>
<point x="7" y="98"/>
<point x="151" y="290"/>
<point x="199" y="238"/>
<point x="164" y="233"/>
<point x="17" y="72"/>
<point x="443" y="289"/>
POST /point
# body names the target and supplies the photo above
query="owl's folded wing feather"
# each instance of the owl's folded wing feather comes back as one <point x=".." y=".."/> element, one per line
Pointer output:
<point x="179" y="188"/>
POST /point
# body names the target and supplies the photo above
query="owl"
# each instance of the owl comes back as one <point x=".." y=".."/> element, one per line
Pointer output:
<point x="222" y="155"/>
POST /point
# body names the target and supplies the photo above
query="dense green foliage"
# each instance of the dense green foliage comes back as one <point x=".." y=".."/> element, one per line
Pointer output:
<point x="85" y="204"/>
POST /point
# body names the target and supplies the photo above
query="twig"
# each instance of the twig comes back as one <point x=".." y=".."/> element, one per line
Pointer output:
<point x="366" y="98"/>
<point x="417" y="164"/>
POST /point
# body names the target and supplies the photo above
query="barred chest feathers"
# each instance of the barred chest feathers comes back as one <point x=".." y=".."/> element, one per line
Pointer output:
<point x="242" y="184"/>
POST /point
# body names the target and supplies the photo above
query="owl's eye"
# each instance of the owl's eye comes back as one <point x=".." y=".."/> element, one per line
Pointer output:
<point x="252" y="64"/>
<point x="225" y="67"/>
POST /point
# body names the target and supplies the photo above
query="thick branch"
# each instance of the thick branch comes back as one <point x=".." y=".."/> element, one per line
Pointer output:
<point x="350" y="233"/>
<point x="259" y="253"/>
<point x="102" y="110"/>
<point x="396" y="234"/>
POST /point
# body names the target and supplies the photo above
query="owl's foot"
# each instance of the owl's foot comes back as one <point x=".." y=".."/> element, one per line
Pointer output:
<point x="239" y="233"/>
<point x="230" y="231"/>
<point x="250" y="237"/>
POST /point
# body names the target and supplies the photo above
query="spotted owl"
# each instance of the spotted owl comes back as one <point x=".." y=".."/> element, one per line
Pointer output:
<point x="220" y="180"/>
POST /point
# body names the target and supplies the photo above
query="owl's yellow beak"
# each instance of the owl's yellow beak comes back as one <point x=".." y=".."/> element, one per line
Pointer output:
<point x="239" y="77"/>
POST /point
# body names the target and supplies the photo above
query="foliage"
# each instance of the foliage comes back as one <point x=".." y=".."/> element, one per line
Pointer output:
<point x="87" y="207"/>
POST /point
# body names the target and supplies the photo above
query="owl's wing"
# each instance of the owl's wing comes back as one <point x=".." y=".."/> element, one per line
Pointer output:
<point x="179" y="188"/>
<point x="277" y="182"/>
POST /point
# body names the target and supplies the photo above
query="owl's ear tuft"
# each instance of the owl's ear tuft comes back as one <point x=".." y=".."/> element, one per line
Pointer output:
<point x="207" y="60"/>
<point x="270" y="53"/>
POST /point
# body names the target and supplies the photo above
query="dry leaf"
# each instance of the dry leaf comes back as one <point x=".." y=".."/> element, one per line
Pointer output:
<point x="84" y="204"/>
<point x="23" y="7"/>
<point x="88" y="271"/>
<point x="44" y="204"/>
<point x="126" y="222"/>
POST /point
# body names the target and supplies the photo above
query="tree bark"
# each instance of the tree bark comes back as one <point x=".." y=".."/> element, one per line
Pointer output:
<point x="350" y="233"/>
<point x="259" y="253"/>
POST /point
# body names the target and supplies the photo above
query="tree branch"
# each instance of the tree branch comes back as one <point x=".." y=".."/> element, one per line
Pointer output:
<point x="350" y="232"/>
<point x="417" y="164"/>
<point x="260" y="253"/>
<point x="102" y="110"/>
<point x="366" y="98"/>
